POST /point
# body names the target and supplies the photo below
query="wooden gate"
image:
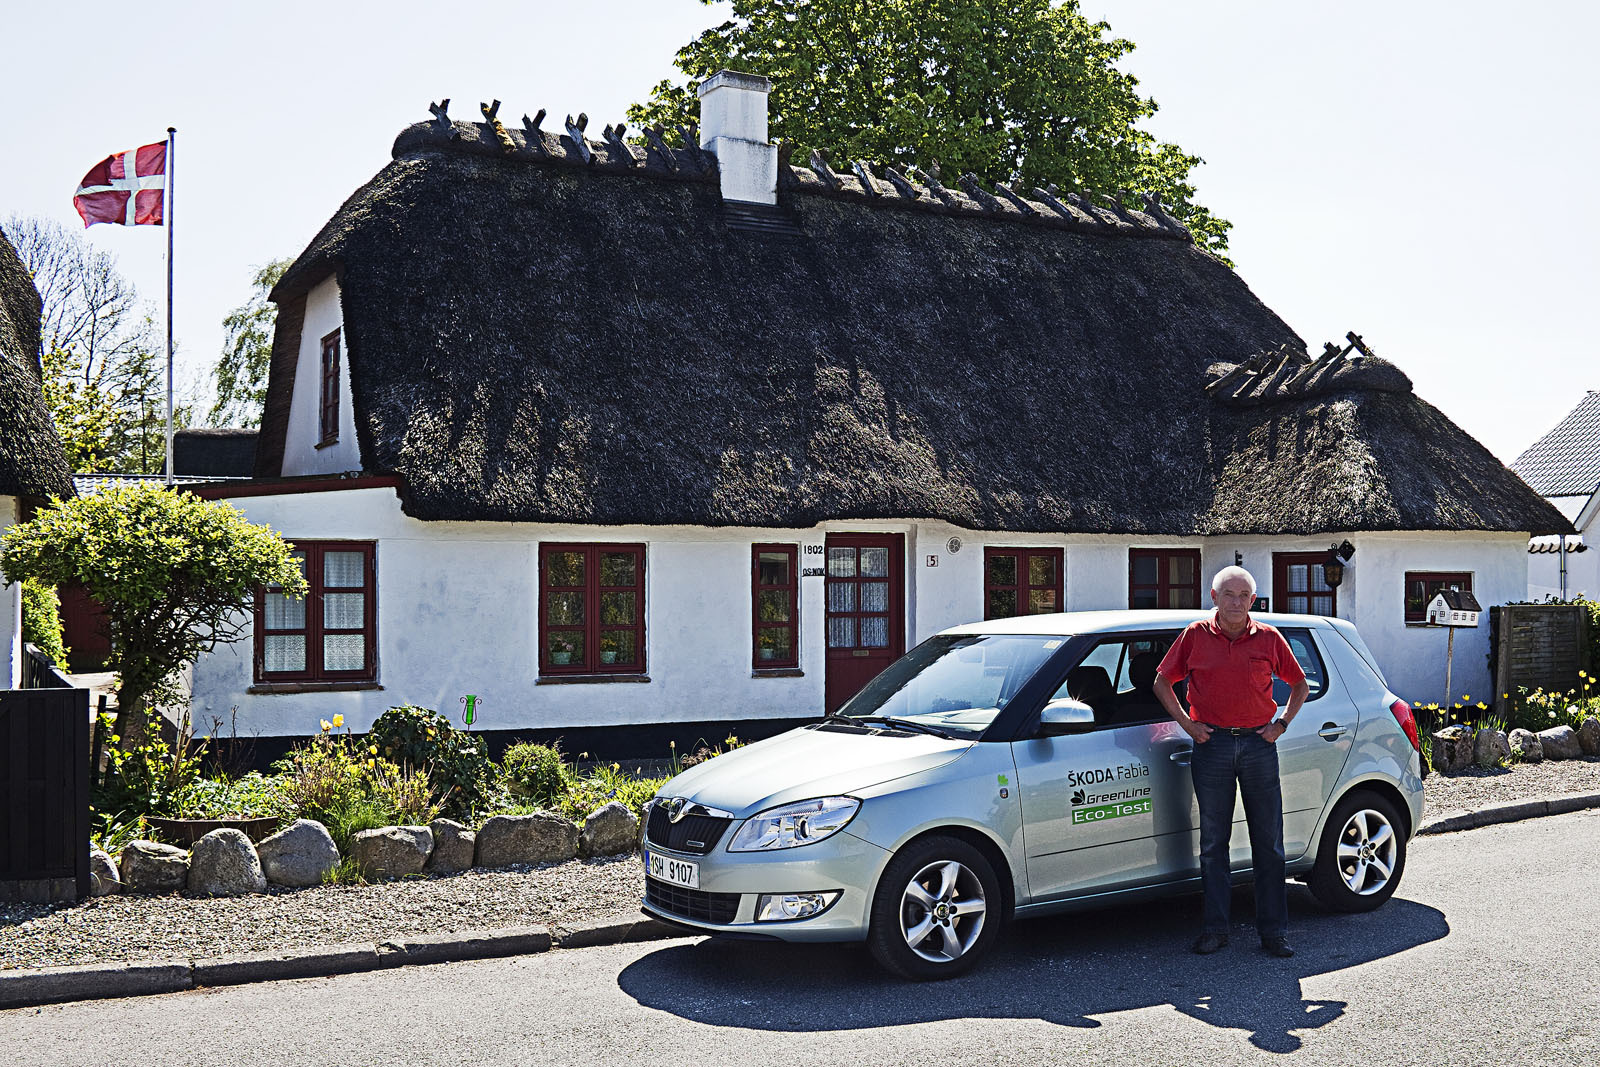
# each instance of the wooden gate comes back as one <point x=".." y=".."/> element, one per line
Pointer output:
<point x="1538" y="646"/>
<point x="44" y="792"/>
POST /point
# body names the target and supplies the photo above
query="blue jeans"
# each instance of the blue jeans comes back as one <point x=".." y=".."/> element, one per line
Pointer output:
<point x="1252" y="763"/>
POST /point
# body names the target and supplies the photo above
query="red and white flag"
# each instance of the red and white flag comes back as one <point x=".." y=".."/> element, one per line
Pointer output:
<point x="126" y="189"/>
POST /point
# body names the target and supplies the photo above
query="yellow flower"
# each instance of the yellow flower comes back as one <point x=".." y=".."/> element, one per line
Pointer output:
<point x="1482" y="706"/>
<point x="1505" y="696"/>
<point x="326" y="725"/>
<point x="1466" y="696"/>
<point x="372" y="763"/>
<point x="338" y="721"/>
<point x="372" y="750"/>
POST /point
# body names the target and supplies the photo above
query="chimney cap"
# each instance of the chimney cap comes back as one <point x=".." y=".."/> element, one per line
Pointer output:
<point x="733" y="79"/>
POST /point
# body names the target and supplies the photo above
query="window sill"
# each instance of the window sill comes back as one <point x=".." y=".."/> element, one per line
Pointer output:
<point x="588" y="679"/>
<point x="777" y="672"/>
<point x="320" y="445"/>
<point x="312" y="687"/>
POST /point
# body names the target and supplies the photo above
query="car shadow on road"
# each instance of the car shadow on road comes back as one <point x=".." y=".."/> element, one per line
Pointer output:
<point x="1069" y="970"/>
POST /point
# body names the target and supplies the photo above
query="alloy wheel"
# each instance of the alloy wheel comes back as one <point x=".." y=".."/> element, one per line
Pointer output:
<point x="942" y="911"/>
<point x="1367" y="848"/>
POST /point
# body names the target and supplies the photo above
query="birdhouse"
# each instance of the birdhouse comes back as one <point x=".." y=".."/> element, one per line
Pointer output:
<point x="1453" y="607"/>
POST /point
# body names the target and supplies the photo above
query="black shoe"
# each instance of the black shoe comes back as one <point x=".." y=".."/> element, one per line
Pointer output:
<point x="1206" y="944"/>
<point x="1276" y="946"/>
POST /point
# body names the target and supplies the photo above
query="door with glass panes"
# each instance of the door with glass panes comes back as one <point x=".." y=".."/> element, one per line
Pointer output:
<point x="865" y="617"/>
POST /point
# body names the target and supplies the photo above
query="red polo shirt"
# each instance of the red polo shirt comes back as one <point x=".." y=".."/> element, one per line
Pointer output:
<point x="1230" y="681"/>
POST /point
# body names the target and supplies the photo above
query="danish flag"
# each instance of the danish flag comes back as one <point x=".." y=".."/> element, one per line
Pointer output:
<point x="125" y="189"/>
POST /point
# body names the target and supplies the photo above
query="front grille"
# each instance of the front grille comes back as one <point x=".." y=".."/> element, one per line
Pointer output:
<point x="717" y="908"/>
<point x="695" y="834"/>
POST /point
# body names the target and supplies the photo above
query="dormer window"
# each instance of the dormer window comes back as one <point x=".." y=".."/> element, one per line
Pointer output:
<point x="329" y="407"/>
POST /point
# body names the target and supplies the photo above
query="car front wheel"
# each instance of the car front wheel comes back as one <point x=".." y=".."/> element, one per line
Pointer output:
<point x="937" y="910"/>
<point x="1362" y="854"/>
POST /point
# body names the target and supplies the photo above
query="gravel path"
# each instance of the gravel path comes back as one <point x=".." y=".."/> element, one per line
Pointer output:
<point x="114" y="928"/>
<point x="1478" y="788"/>
<point x="104" y="929"/>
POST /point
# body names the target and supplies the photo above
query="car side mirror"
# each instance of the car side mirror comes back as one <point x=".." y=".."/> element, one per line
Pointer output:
<point x="1065" y="716"/>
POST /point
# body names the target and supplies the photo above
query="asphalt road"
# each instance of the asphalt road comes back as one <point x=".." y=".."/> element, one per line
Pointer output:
<point x="1488" y="955"/>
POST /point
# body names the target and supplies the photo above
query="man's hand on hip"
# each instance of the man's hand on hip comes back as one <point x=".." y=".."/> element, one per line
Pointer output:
<point x="1201" y="732"/>
<point x="1272" y="731"/>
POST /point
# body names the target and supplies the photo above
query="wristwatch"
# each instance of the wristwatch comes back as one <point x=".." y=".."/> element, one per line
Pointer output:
<point x="1281" y="721"/>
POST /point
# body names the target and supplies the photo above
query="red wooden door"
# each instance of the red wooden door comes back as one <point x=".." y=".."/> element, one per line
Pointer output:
<point x="866" y="615"/>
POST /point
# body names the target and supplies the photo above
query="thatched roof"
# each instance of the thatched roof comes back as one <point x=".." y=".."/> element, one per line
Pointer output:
<point x="1566" y="461"/>
<point x="31" y="460"/>
<point x="536" y="337"/>
<point x="221" y="452"/>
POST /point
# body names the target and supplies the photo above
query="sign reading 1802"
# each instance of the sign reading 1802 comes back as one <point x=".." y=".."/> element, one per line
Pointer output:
<point x="1110" y="811"/>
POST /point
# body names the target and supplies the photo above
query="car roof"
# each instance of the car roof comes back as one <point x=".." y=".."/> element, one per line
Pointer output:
<point x="1074" y="623"/>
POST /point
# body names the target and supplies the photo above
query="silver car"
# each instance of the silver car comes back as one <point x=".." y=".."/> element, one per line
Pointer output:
<point x="1016" y="768"/>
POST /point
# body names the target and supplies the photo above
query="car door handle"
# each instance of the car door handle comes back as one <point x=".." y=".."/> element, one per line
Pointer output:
<point x="1181" y="757"/>
<point x="1332" y="731"/>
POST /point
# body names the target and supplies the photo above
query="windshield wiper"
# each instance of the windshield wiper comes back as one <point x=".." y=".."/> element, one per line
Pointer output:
<point x="905" y="724"/>
<point x="834" y="716"/>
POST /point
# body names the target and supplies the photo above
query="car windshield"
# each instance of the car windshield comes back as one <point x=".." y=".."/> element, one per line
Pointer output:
<point x="955" y="684"/>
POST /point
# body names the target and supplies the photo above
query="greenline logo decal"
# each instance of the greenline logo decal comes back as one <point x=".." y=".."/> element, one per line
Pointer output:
<point x="1130" y="799"/>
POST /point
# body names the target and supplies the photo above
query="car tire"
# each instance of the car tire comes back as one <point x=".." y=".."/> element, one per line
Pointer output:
<point x="1362" y="854"/>
<point x="937" y="910"/>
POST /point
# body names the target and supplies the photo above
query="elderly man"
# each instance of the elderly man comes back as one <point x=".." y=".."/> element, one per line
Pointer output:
<point x="1230" y="660"/>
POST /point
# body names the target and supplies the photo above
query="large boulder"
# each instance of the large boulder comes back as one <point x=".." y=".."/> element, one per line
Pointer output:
<point x="1589" y="736"/>
<point x="103" y="875"/>
<point x="1490" y="748"/>
<point x="1452" y="749"/>
<point x="1560" y="742"/>
<point x="301" y="854"/>
<point x="609" y="830"/>
<point x="543" y="837"/>
<point x="151" y="867"/>
<point x="224" y="864"/>
<point x="392" y="851"/>
<point x="453" y="847"/>
<point x="1525" y="746"/>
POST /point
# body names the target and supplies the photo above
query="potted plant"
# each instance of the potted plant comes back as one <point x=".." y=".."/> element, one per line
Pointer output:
<point x="253" y="804"/>
<point x="561" y="651"/>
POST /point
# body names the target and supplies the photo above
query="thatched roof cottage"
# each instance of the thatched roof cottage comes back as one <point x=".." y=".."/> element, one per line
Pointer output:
<point x="551" y="411"/>
<point x="32" y="465"/>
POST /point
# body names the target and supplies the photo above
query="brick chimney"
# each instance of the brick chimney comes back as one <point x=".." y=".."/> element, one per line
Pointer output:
<point x="733" y="124"/>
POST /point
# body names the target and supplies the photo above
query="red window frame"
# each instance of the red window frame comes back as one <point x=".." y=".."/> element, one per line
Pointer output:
<point x="1024" y="586"/>
<point x="1432" y="582"/>
<point x="1163" y="586"/>
<point x="758" y="625"/>
<point x="314" y="629"/>
<point x="1281" y="562"/>
<point x="592" y="627"/>
<point x="329" y="406"/>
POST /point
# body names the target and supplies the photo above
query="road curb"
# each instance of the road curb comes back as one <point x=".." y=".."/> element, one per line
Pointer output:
<point x="1515" y="812"/>
<point x="26" y="988"/>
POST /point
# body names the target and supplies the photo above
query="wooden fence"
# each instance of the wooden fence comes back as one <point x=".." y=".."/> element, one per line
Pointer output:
<point x="1539" y="646"/>
<point x="44" y="786"/>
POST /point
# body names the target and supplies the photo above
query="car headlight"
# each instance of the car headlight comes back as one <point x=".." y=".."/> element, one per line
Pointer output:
<point x="792" y="825"/>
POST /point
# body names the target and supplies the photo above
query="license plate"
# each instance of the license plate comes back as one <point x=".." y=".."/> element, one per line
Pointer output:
<point x="666" y="869"/>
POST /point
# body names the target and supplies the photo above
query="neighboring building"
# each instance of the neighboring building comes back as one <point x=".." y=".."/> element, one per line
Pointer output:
<point x="32" y="464"/>
<point x="549" y="414"/>
<point x="1564" y="467"/>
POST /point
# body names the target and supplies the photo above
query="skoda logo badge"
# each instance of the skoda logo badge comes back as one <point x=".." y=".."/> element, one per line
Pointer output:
<point x="677" y="807"/>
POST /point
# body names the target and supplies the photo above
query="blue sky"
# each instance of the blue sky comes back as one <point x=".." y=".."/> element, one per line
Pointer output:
<point x="1417" y="172"/>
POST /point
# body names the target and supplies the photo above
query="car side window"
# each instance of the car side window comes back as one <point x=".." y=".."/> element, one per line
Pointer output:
<point x="1310" y="660"/>
<point x="1117" y="677"/>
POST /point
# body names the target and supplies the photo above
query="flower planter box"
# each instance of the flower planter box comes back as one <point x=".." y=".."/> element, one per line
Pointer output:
<point x="185" y="832"/>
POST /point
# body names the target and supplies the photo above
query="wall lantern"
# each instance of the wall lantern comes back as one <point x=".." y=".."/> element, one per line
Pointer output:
<point x="1333" y="569"/>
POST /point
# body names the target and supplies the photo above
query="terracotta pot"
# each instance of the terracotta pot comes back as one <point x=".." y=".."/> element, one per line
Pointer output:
<point x="186" y="832"/>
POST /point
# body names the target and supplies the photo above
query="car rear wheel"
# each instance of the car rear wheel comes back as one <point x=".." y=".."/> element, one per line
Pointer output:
<point x="1362" y="854"/>
<point x="937" y="910"/>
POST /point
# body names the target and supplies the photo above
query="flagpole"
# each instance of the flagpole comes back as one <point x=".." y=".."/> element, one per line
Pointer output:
<point x="172" y="144"/>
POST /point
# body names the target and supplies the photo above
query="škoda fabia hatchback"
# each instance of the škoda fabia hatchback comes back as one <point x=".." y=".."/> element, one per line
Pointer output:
<point x="1017" y="768"/>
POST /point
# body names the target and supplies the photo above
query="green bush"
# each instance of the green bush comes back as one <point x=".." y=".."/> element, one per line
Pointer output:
<point x="457" y="763"/>
<point x="349" y="787"/>
<point x="149" y="779"/>
<point x="601" y="786"/>
<point x="41" y="620"/>
<point x="254" y="796"/>
<point x="535" y="773"/>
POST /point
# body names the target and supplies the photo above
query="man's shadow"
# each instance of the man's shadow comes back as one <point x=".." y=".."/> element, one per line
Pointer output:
<point x="1070" y="970"/>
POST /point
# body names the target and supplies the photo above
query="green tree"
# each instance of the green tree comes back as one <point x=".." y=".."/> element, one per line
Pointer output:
<point x="41" y="621"/>
<point x="241" y="373"/>
<point x="1019" y="91"/>
<point x="174" y="572"/>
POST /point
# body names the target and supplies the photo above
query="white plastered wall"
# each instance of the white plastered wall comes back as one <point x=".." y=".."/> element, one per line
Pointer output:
<point x="10" y="612"/>
<point x="458" y="607"/>
<point x="301" y="455"/>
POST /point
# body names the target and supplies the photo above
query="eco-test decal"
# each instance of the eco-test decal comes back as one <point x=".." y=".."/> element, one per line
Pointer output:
<point x="1102" y="804"/>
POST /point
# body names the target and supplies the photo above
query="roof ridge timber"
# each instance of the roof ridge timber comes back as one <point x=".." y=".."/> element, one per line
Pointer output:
<point x="1287" y="374"/>
<point x="895" y="189"/>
